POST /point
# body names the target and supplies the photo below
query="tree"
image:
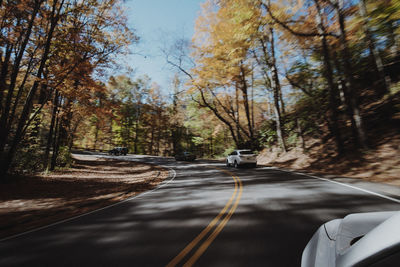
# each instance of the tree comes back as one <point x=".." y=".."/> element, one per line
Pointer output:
<point x="377" y="60"/>
<point x="49" y="48"/>
<point x="223" y="66"/>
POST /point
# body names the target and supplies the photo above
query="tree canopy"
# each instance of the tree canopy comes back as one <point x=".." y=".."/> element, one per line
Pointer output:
<point x="255" y="74"/>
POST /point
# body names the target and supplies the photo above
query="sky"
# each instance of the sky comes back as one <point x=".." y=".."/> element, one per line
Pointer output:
<point x="157" y="22"/>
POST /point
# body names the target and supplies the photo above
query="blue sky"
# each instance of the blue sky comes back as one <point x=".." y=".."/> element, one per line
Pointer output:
<point x="155" y="22"/>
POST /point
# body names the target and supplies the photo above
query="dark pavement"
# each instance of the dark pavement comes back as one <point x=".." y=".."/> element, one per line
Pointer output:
<point x="276" y="215"/>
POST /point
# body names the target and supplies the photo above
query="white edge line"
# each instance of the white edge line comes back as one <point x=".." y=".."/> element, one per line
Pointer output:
<point x="343" y="184"/>
<point x="97" y="210"/>
<point x="358" y="188"/>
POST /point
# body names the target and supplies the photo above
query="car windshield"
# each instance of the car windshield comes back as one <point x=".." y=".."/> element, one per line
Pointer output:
<point x="246" y="152"/>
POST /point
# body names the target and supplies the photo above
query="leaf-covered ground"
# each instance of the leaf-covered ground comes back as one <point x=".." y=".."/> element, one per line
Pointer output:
<point x="91" y="183"/>
<point x="381" y="164"/>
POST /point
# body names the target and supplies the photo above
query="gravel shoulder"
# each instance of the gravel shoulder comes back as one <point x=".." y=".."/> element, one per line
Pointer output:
<point x="29" y="202"/>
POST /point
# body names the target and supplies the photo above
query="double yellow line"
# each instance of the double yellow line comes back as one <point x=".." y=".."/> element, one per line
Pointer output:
<point x="218" y="223"/>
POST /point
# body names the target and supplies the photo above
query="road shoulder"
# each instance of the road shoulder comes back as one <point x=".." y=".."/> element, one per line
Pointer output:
<point x="91" y="183"/>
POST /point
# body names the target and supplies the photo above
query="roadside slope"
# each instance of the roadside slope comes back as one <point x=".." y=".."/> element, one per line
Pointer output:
<point x="381" y="164"/>
<point x="91" y="183"/>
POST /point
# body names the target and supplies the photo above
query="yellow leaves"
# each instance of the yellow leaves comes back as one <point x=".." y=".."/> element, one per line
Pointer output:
<point x="223" y="39"/>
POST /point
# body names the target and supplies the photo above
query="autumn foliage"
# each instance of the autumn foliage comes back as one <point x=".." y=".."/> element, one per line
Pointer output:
<point x="52" y="57"/>
<point x="272" y="71"/>
<point x="257" y="73"/>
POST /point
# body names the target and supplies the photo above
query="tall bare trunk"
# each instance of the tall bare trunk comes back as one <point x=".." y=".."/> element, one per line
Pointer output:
<point x="394" y="39"/>
<point x="276" y="86"/>
<point x="151" y="140"/>
<point x="158" y="140"/>
<point x="72" y="136"/>
<point x="282" y="103"/>
<point x="136" y="140"/>
<point x="244" y="89"/>
<point x="237" y="118"/>
<point x="301" y="135"/>
<point x="4" y="71"/>
<point x="252" y="100"/>
<point x="51" y="129"/>
<point x="333" y="90"/>
<point x="96" y="137"/>
<point x="56" y="144"/>
<point x="345" y="98"/>
<point x="377" y="60"/>
<point x="349" y="79"/>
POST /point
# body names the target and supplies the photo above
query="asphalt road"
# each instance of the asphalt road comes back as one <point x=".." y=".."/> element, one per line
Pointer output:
<point x="205" y="214"/>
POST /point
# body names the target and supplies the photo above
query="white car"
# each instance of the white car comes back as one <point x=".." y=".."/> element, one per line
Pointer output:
<point x="241" y="157"/>
<point x="361" y="239"/>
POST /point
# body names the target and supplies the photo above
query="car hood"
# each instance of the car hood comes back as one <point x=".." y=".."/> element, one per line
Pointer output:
<point x="357" y="225"/>
<point x="334" y="243"/>
<point x="377" y="242"/>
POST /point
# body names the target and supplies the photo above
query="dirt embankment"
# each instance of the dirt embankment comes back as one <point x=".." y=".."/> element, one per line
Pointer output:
<point x="91" y="183"/>
<point x="381" y="164"/>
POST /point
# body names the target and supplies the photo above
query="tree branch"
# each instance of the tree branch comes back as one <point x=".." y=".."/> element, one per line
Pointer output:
<point x="286" y="27"/>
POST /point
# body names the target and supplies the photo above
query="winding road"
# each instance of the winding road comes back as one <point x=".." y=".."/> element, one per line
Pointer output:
<point x="204" y="214"/>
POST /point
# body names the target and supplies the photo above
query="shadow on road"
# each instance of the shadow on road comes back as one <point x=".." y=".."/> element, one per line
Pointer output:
<point x="277" y="215"/>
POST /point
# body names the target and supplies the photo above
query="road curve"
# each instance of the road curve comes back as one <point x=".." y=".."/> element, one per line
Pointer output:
<point x="208" y="215"/>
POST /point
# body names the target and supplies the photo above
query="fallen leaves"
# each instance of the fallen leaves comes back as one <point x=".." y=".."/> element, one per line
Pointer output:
<point x="30" y="202"/>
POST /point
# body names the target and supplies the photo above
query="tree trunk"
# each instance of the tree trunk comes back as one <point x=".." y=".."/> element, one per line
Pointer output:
<point x="236" y="139"/>
<point x="276" y="89"/>
<point x="244" y="89"/>
<point x="158" y="138"/>
<point x="6" y="162"/>
<point x="282" y="103"/>
<point x="394" y="39"/>
<point x="333" y="91"/>
<point x="13" y="78"/>
<point x="237" y="117"/>
<point x="96" y="137"/>
<point x="301" y="136"/>
<point x="348" y="71"/>
<point x="18" y="96"/>
<point x="3" y="72"/>
<point x="72" y="136"/>
<point x="110" y="134"/>
<point x="377" y="60"/>
<point x="51" y="130"/>
<point x="252" y="100"/>
<point x="56" y="144"/>
<point x="136" y="140"/>
<point x="151" y="140"/>
<point x="346" y="98"/>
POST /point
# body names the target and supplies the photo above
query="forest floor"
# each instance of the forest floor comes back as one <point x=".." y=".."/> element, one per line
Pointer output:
<point x="30" y="202"/>
<point x="381" y="164"/>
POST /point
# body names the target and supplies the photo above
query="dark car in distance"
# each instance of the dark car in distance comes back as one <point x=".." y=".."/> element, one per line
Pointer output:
<point x="116" y="151"/>
<point x="185" y="156"/>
